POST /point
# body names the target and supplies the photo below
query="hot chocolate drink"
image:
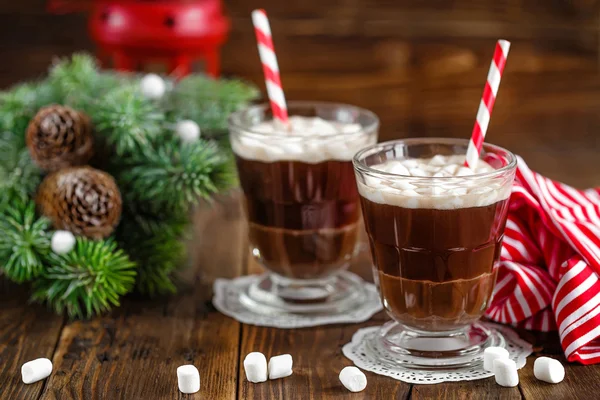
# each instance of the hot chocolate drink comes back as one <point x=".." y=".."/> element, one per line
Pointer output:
<point x="434" y="239"/>
<point x="301" y="196"/>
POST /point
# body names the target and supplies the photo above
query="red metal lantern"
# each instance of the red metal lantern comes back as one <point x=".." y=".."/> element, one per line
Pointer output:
<point x="135" y="32"/>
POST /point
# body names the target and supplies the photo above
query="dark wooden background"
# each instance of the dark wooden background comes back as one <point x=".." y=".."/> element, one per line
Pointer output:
<point x="420" y="65"/>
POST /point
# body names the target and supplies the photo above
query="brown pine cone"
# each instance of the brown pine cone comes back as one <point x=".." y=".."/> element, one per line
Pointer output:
<point x="59" y="136"/>
<point x="82" y="200"/>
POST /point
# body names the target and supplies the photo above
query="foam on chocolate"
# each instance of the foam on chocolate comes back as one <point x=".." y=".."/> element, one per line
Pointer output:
<point x="458" y="192"/>
<point x="309" y="139"/>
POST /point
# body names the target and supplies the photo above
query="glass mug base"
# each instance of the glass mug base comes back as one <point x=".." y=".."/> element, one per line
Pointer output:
<point x="335" y="294"/>
<point x="398" y="345"/>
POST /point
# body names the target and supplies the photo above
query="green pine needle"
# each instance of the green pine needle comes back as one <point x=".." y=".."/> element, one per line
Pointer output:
<point x="19" y="176"/>
<point x="209" y="102"/>
<point x="127" y="120"/>
<point x="24" y="241"/>
<point x="176" y="176"/>
<point x="87" y="281"/>
<point x="157" y="247"/>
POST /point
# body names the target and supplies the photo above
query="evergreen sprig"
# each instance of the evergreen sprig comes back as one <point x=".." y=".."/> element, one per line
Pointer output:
<point x="209" y="102"/>
<point x="87" y="281"/>
<point x="19" y="176"/>
<point x="175" y="176"/>
<point x="24" y="241"/>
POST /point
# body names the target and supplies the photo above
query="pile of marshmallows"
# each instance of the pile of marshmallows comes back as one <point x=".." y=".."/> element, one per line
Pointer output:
<point x="257" y="370"/>
<point x="496" y="360"/>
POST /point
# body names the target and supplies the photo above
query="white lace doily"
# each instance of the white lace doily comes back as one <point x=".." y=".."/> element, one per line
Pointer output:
<point x="226" y="299"/>
<point x="356" y="351"/>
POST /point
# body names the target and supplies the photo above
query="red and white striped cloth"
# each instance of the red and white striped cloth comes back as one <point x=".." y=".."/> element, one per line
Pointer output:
<point x="550" y="263"/>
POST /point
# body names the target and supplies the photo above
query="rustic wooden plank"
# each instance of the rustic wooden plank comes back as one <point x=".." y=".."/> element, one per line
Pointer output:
<point x="27" y="332"/>
<point x="581" y="381"/>
<point x="134" y="352"/>
<point x="481" y="390"/>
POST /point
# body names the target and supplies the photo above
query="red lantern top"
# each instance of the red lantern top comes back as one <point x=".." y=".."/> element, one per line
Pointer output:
<point x="134" y="31"/>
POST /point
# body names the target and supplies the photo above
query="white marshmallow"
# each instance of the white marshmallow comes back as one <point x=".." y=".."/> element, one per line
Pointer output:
<point x="188" y="131"/>
<point x="505" y="372"/>
<point x="36" y="370"/>
<point x="416" y="171"/>
<point x="353" y="379"/>
<point x="188" y="379"/>
<point x="255" y="366"/>
<point x="62" y="242"/>
<point x="493" y="353"/>
<point x="464" y="171"/>
<point x="452" y="168"/>
<point x="438" y="160"/>
<point x="280" y="366"/>
<point x="153" y="86"/>
<point x="398" y="169"/>
<point x="548" y="370"/>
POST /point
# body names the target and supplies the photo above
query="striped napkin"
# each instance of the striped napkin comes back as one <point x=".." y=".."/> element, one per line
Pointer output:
<point x="550" y="263"/>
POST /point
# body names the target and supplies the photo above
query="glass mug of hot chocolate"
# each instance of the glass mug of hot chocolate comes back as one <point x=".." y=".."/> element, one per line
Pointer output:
<point x="302" y="203"/>
<point x="435" y="230"/>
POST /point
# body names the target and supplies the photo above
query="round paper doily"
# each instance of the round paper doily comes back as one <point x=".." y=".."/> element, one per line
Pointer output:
<point x="357" y="351"/>
<point x="226" y="299"/>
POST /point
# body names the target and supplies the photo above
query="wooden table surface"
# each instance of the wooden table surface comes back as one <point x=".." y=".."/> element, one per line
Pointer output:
<point x="133" y="353"/>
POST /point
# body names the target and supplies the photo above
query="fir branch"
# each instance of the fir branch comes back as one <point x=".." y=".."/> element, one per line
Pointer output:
<point x="19" y="176"/>
<point x="157" y="252"/>
<point x="209" y="102"/>
<point x="176" y="176"/>
<point x="20" y="103"/>
<point x="127" y="120"/>
<point x="79" y="81"/>
<point x="24" y="241"/>
<point x="87" y="281"/>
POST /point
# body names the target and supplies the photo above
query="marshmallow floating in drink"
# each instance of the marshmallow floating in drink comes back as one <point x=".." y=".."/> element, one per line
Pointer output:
<point x="353" y="379"/>
<point x="188" y="379"/>
<point x="493" y="353"/>
<point x="443" y="194"/>
<point x="548" y="370"/>
<point x="255" y="366"/>
<point x="505" y="372"/>
<point x="36" y="370"/>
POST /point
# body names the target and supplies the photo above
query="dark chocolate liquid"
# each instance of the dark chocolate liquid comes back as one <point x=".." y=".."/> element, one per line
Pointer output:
<point x="303" y="217"/>
<point x="436" y="267"/>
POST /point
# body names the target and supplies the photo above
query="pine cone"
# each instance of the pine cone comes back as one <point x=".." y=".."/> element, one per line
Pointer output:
<point x="82" y="200"/>
<point x="59" y="137"/>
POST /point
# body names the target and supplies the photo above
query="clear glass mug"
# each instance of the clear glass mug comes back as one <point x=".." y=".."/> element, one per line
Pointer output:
<point x="434" y="248"/>
<point x="302" y="205"/>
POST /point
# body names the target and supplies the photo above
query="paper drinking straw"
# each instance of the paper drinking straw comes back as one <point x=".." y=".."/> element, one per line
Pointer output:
<point x="487" y="103"/>
<point x="268" y="59"/>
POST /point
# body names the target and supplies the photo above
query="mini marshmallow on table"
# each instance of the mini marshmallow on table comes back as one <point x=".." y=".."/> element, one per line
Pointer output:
<point x="255" y="366"/>
<point x="493" y="353"/>
<point x="353" y="379"/>
<point x="36" y="370"/>
<point x="188" y="379"/>
<point x="280" y="366"/>
<point x="505" y="372"/>
<point x="548" y="370"/>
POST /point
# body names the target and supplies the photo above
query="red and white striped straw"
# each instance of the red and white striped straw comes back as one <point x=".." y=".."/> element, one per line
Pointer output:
<point x="266" y="51"/>
<point x="487" y="103"/>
